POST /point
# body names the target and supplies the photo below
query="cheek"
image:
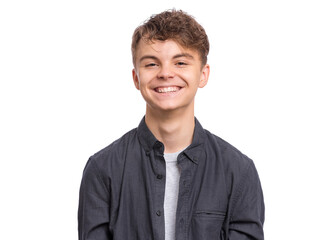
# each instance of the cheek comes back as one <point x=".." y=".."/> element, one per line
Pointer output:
<point x="144" y="78"/>
<point x="194" y="80"/>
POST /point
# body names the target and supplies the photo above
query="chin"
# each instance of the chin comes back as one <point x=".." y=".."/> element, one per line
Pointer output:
<point x="170" y="108"/>
<point x="167" y="106"/>
<point x="167" y="109"/>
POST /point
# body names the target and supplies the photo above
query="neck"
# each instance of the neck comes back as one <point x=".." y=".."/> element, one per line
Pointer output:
<point x="174" y="129"/>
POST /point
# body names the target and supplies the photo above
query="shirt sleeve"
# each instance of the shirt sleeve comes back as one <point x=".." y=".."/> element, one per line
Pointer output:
<point x="248" y="213"/>
<point x="93" y="211"/>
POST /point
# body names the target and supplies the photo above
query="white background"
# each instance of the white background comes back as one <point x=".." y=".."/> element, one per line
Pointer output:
<point x="66" y="92"/>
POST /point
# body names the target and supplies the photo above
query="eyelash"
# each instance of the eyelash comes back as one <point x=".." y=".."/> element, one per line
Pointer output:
<point x="181" y="63"/>
<point x="150" y="65"/>
<point x="154" y="64"/>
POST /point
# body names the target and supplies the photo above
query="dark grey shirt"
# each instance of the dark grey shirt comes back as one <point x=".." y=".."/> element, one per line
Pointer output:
<point x="123" y="186"/>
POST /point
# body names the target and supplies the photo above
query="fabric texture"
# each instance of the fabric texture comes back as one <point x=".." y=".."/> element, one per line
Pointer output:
<point x="171" y="193"/>
<point x="123" y="187"/>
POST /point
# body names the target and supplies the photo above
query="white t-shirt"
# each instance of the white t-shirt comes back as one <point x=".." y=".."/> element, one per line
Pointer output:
<point x="171" y="194"/>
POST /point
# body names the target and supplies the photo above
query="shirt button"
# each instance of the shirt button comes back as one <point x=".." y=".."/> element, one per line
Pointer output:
<point x="159" y="176"/>
<point x="158" y="213"/>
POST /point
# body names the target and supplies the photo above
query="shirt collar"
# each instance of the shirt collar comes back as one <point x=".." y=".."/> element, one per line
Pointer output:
<point x="148" y="140"/>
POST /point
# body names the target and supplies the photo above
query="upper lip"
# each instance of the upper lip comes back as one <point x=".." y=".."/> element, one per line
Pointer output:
<point x="167" y="86"/>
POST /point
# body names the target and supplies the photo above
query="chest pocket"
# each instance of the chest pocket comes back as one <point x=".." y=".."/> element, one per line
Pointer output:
<point x="207" y="225"/>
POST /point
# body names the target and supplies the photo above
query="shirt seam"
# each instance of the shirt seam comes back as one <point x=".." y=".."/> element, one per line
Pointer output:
<point x="239" y="190"/>
<point x="99" y="177"/>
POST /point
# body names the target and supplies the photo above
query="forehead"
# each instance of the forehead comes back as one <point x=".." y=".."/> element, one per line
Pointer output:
<point x="167" y="48"/>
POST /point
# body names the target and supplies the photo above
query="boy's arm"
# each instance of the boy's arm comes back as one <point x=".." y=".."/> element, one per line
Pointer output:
<point x="248" y="214"/>
<point x="94" y="206"/>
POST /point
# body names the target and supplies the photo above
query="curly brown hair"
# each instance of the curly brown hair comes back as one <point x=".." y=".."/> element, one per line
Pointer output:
<point x="175" y="25"/>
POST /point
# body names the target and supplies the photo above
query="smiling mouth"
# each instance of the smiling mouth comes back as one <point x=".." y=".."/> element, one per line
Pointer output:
<point x="167" y="89"/>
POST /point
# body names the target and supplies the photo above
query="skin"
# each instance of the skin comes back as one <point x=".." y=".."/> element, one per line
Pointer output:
<point x="168" y="77"/>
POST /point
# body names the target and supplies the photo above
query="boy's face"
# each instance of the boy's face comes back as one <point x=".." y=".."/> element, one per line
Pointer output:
<point x="168" y="75"/>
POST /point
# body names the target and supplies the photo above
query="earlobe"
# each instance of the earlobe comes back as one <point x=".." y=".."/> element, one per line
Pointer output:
<point x="135" y="79"/>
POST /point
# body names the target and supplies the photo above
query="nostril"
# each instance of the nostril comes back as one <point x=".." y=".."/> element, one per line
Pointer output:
<point x="165" y="73"/>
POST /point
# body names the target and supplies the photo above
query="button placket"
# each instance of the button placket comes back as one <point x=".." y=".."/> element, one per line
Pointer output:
<point x="159" y="176"/>
<point x="183" y="212"/>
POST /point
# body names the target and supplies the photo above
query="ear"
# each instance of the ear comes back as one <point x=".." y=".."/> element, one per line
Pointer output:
<point x="135" y="79"/>
<point x="204" y="76"/>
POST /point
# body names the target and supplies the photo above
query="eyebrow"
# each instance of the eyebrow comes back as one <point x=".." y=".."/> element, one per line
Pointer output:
<point x="148" y="57"/>
<point x="187" y="55"/>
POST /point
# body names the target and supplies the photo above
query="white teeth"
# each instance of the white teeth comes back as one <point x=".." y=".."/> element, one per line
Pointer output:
<point x="167" y="89"/>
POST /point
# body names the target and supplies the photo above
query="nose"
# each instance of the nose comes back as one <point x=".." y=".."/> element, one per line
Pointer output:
<point x="165" y="72"/>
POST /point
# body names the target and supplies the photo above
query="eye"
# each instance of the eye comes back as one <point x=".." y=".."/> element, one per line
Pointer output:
<point x="181" y="63"/>
<point x="151" y="65"/>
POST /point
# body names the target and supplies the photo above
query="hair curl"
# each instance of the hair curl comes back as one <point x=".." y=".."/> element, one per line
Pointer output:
<point x="175" y="25"/>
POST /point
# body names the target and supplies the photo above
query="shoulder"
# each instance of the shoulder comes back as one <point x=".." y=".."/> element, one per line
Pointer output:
<point x="232" y="158"/>
<point x="114" y="153"/>
<point x="239" y="170"/>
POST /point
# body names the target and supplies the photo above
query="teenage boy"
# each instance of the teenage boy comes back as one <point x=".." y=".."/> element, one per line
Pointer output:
<point x="169" y="178"/>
